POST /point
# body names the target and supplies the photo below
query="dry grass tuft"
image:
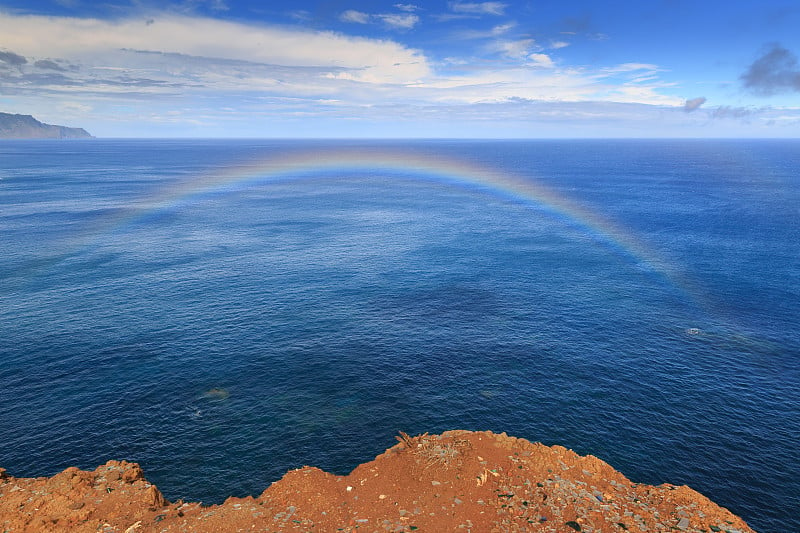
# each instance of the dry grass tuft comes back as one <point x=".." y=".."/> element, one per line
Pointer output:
<point x="432" y="452"/>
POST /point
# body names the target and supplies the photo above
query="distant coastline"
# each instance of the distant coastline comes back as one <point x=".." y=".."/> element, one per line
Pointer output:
<point x="26" y="127"/>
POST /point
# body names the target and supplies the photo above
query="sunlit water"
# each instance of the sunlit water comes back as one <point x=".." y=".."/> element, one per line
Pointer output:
<point x="162" y="303"/>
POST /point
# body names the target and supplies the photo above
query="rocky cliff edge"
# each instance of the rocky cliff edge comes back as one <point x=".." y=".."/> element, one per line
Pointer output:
<point x="457" y="481"/>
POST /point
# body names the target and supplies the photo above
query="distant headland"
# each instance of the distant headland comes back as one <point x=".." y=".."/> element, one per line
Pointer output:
<point x="27" y="127"/>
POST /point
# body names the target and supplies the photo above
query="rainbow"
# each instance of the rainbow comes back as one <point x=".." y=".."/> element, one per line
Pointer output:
<point x="470" y="176"/>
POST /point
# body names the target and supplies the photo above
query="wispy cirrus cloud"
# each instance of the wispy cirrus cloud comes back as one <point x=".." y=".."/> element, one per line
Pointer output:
<point x="475" y="34"/>
<point x="397" y="21"/>
<point x="479" y="8"/>
<point x="356" y="17"/>
<point x="518" y="48"/>
<point x="540" y="60"/>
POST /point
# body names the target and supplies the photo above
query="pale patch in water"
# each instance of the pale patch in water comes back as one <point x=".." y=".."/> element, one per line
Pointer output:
<point x="217" y="394"/>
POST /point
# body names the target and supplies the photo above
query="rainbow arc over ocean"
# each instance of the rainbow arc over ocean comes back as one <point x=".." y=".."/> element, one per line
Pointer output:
<point x="333" y="163"/>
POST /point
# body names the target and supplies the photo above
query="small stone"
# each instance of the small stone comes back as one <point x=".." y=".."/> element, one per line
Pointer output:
<point x="683" y="524"/>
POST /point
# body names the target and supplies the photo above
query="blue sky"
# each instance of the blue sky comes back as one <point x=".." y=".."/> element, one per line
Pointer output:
<point x="350" y="68"/>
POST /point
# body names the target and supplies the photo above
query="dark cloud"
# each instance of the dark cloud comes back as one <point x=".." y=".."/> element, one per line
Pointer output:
<point x="46" y="64"/>
<point x="11" y="58"/>
<point x="187" y="60"/>
<point x="49" y="79"/>
<point x="726" y="111"/>
<point x="776" y="71"/>
<point x="694" y="103"/>
<point x="128" y="81"/>
<point x="54" y="83"/>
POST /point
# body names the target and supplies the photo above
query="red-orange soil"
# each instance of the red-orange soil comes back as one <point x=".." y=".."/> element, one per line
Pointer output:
<point x="457" y="481"/>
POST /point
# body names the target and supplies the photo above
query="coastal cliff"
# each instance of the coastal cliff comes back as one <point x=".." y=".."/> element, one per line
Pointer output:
<point x="27" y="127"/>
<point x="457" y="481"/>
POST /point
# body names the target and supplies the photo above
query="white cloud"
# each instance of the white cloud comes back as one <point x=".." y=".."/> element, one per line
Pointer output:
<point x="399" y="21"/>
<point x="541" y="60"/>
<point x="479" y="8"/>
<point x="98" y="42"/>
<point x="514" y="49"/>
<point x="646" y="94"/>
<point x="396" y="21"/>
<point x="407" y="7"/>
<point x="300" y="15"/>
<point x="351" y="15"/>
<point x="630" y="67"/>
<point x="500" y="29"/>
<point x="203" y="65"/>
<point x="555" y="45"/>
<point x="548" y="82"/>
<point x="74" y="109"/>
<point x="495" y="31"/>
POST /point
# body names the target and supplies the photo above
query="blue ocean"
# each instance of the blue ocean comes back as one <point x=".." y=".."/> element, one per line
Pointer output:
<point x="221" y="311"/>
